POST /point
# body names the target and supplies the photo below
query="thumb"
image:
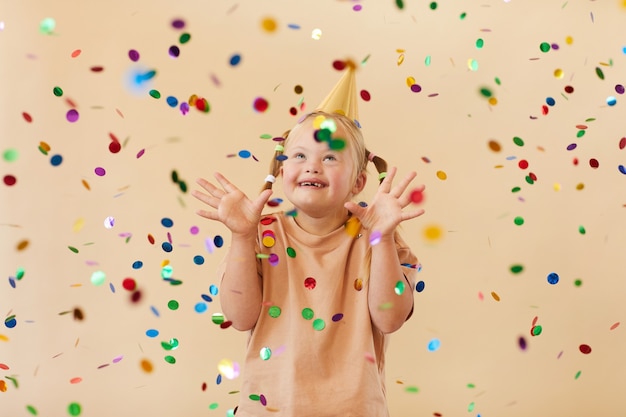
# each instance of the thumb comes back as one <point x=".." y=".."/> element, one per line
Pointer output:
<point x="262" y="198"/>
<point x="354" y="208"/>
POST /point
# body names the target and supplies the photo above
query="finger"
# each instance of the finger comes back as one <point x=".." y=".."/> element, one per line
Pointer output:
<point x="399" y="189"/>
<point x="262" y="199"/>
<point x="211" y="215"/>
<point x="211" y="201"/>
<point x="412" y="214"/>
<point x="355" y="209"/>
<point x="385" y="186"/>
<point x="210" y="188"/>
<point x="226" y="185"/>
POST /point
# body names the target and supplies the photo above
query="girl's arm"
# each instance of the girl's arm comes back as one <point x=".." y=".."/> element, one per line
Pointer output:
<point x="388" y="308"/>
<point x="390" y="293"/>
<point x="241" y="287"/>
<point x="241" y="290"/>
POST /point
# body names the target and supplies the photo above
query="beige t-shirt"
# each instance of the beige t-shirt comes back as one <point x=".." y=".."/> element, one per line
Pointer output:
<point x="314" y="351"/>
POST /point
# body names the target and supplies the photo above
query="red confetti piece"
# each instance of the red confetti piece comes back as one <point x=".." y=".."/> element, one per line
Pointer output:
<point x="76" y="53"/>
<point x="129" y="284"/>
<point x="417" y="196"/>
<point x="9" y="180"/>
<point x="365" y="95"/>
<point x="76" y="380"/>
<point x="260" y="104"/>
<point x="115" y="146"/>
<point x="614" y="326"/>
<point x="585" y="349"/>
<point x="3" y="366"/>
<point x="593" y="163"/>
<point x="97" y="68"/>
<point x="27" y="117"/>
<point x="523" y="164"/>
<point x="339" y="65"/>
<point x="622" y="143"/>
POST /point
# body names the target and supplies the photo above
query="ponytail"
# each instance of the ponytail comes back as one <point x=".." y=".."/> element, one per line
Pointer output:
<point x="379" y="163"/>
<point x="276" y="162"/>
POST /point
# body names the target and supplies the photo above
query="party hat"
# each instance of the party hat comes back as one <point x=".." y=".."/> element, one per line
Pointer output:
<point x="342" y="98"/>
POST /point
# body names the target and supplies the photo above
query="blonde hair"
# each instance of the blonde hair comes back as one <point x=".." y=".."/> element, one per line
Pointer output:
<point x="355" y="137"/>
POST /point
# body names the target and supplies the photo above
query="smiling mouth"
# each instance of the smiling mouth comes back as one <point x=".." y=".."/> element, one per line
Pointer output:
<point x="312" y="184"/>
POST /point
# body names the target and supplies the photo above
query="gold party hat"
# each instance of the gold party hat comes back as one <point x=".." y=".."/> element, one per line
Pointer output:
<point x="342" y="98"/>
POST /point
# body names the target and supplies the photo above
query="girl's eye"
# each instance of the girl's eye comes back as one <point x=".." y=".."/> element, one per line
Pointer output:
<point x="330" y="158"/>
<point x="299" y="155"/>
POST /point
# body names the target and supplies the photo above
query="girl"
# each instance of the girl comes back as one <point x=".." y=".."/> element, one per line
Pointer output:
<point x="320" y="287"/>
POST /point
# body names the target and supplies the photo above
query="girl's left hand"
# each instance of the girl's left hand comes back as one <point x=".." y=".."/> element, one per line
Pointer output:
<point x="385" y="212"/>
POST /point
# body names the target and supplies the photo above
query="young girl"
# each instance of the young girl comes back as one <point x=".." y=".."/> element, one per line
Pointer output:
<point x="320" y="287"/>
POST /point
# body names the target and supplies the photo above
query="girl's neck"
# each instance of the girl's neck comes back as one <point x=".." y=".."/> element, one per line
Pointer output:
<point x="321" y="225"/>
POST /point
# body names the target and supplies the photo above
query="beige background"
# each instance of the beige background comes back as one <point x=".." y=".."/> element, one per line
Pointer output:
<point x="479" y="368"/>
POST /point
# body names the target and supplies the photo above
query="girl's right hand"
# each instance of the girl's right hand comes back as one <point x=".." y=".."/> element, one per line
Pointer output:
<point x="232" y="207"/>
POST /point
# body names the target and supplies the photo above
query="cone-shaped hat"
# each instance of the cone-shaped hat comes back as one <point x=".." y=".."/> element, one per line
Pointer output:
<point x="342" y="98"/>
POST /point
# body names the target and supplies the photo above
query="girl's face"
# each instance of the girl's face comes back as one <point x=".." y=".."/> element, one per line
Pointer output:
<point x="316" y="179"/>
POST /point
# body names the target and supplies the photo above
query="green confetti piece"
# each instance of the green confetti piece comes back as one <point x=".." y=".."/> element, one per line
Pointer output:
<point x="254" y="397"/>
<point x="155" y="94"/>
<point x="319" y="324"/>
<point x="184" y="38"/>
<point x="544" y="47"/>
<point x="580" y="133"/>
<point x="463" y="16"/>
<point x="515" y="189"/>
<point x="10" y="155"/>
<point x="291" y="252"/>
<point x="582" y="230"/>
<point x="173" y="305"/>
<point x="20" y="273"/>
<point x="536" y="331"/>
<point x="73" y="249"/>
<point x="497" y="81"/>
<point x="578" y="282"/>
<point x="400" y="4"/>
<point x="470" y="407"/>
<point x="274" y="311"/>
<point x="399" y="288"/>
<point x="170" y="359"/>
<point x="516" y="269"/>
<point x="480" y="43"/>
<point x="32" y="410"/>
<point x="307" y="313"/>
<point x="217" y="318"/>
<point x="485" y="92"/>
<point x="577" y="374"/>
<point x="599" y="73"/>
<point x="74" y="409"/>
<point x="57" y="91"/>
<point x="518" y="141"/>
<point x="412" y="389"/>
<point x="518" y="220"/>
<point x="213" y="406"/>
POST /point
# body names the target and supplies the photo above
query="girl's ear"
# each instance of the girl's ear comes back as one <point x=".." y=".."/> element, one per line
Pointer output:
<point x="359" y="184"/>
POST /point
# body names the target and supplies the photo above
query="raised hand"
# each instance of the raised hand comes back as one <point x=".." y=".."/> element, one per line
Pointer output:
<point x="385" y="212"/>
<point x="232" y="207"/>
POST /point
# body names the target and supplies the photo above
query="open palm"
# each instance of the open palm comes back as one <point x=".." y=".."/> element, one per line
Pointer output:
<point x="233" y="208"/>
